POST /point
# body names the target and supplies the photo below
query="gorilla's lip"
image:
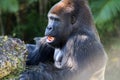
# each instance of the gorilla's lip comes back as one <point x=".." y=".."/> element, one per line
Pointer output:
<point x="50" y="39"/>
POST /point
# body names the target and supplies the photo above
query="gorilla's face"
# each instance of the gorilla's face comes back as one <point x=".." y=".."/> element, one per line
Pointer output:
<point x="59" y="25"/>
<point x="57" y="30"/>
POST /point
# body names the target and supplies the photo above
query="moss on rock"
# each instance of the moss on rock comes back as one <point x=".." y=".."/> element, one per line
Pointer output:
<point x="13" y="55"/>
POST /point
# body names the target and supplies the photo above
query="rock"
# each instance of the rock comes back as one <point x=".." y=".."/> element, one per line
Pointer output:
<point x="13" y="55"/>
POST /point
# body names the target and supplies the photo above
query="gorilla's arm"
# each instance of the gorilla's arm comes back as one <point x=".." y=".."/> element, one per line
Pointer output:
<point x="39" y="53"/>
<point x="44" y="72"/>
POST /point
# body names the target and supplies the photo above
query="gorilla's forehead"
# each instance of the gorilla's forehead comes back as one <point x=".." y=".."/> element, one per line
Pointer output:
<point x="61" y="7"/>
<point x="58" y="8"/>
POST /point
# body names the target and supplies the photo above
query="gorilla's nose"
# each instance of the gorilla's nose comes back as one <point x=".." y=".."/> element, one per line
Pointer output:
<point x="48" y="30"/>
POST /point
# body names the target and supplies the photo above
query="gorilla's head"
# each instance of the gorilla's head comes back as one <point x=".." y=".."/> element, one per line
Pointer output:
<point x="60" y="22"/>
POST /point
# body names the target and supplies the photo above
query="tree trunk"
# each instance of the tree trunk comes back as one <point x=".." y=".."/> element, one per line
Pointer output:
<point x="117" y="27"/>
<point x="42" y="7"/>
<point x="1" y="24"/>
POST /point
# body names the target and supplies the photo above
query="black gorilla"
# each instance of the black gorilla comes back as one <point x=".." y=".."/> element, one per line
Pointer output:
<point x="79" y="54"/>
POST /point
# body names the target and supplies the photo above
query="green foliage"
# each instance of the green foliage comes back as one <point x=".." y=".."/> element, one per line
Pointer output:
<point x="9" y="5"/>
<point x="31" y="1"/>
<point x="34" y="26"/>
<point x="18" y="31"/>
<point x="106" y="13"/>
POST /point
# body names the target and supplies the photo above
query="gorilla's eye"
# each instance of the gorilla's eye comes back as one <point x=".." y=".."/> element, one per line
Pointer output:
<point x="54" y="18"/>
<point x="73" y="19"/>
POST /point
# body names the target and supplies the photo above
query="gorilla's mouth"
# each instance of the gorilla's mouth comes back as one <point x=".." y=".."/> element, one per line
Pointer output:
<point x="50" y="39"/>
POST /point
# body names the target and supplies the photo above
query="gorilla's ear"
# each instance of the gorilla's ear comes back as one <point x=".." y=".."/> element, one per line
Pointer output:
<point x="73" y="19"/>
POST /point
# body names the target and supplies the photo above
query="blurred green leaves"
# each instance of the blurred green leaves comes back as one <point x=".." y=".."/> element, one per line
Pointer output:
<point x="9" y="5"/>
<point x="31" y="1"/>
<point x="107" y="11"/>
<point x="106" y="16"/>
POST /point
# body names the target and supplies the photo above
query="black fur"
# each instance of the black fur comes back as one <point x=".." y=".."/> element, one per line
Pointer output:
<point x="79" y="54"/>
<point x="41" y="52"/>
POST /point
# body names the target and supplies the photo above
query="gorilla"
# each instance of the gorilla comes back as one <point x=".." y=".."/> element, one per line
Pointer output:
<point x="78" y="52"/>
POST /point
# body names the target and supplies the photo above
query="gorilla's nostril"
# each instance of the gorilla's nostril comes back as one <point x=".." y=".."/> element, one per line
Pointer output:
<point x="49" y="28"/>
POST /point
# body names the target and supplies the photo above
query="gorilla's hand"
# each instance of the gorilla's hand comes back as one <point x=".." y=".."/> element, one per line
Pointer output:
<point x="23" y="77"/>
